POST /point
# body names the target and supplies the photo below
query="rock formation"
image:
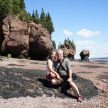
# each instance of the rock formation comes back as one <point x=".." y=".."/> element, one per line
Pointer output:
<point x="85" y="55"/>
<point x="22" y="82"/>
<point x="68" y="50"/>
<point x="16" y="38"/>
<point x="40" y="42"/>
<point x="21" y="39"/>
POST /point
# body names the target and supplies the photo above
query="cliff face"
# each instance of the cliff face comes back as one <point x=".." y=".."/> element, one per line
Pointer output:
<point x="16" y="38"/>
<point x="23" y="39"/>
<point x="39" y="41"/>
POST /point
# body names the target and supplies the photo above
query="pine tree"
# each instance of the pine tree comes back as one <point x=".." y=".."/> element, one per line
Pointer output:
<point x="16" y="6"/>
<point x="33" y="16"/>
<point x="22" y="5"/>
<point x="49" y="24"/>
<point x="36" y="17"/>
<point x="43" y="18"/>
<point x="70" y="42"/>
<point x="11" y="7"/>
<point x="5" y="6"/>
<point x="54" y="44"/>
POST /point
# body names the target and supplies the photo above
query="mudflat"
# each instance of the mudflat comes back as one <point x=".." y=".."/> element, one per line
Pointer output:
<point x="95" y="71"/>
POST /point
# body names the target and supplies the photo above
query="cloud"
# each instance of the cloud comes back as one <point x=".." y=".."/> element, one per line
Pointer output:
<point x="87" y="33"/>
<point x="67" y="33"/>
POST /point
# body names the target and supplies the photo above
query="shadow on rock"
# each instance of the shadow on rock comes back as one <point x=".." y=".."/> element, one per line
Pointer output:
<point x="58" y="90"/>
<point x="15" y="82"/>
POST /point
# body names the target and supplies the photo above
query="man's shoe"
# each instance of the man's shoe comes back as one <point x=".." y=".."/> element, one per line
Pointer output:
<point x="80" y="98"/>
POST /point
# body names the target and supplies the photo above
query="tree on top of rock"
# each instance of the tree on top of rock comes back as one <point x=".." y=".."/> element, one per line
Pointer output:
<point x="43" y="18"/>
<point x="70" y="42"/>
<point x="11" y="7"/>
<point x="49" y="24"/>
<point x="35" y="17"/>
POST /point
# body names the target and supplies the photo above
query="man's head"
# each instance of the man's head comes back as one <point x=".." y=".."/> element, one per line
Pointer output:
<point x="60" y="54"/>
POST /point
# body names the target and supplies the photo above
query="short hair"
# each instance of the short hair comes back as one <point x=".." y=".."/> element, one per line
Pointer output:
<point x="60" y="51"/>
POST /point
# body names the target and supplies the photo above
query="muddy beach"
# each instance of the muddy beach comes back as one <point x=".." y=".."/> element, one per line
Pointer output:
<point x="18" y="90"/>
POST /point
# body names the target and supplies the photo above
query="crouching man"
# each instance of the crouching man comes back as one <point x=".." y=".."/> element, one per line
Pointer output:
<point x="63" y="68"/>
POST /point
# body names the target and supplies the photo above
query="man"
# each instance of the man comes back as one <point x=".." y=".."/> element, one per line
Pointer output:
<point x="63" y="68"/>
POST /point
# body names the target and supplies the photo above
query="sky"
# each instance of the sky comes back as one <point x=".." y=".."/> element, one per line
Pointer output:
<point x="83" y="21"/>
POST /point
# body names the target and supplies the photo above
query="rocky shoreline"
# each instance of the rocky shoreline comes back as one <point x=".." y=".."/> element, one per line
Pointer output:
<point x="94" y="71"/>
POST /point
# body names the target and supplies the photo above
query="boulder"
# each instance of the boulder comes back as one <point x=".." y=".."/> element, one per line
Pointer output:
<point x="22" y="39"/>
<point x="17" y="82"/>
<point x="85" y="55"/>
<point x="16" y="38"/>
<point x="40" y="43"/>
<point x="68" y="50"/>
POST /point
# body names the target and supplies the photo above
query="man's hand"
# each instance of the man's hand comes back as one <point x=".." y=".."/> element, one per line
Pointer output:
<point x="59" y="78"/>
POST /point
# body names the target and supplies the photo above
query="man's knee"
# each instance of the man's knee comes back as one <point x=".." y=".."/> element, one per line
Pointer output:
<point x="70" y="82"/>
<point x="55" y="82"/>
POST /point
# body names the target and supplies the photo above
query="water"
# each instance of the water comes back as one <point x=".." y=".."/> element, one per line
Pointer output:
<point x="101" y="59"/>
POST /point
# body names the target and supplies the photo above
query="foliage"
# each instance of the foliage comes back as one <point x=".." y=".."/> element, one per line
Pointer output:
<point x="4" y="8"/>
<point x="35" y="16"/>
<point x="43" y="18"/>
<point x="70" y="42"/>
<point x="49" y="24"/>
<point x="17" y="7"/>
<point x="54" y="44"/>
<point x="11" y="7"/>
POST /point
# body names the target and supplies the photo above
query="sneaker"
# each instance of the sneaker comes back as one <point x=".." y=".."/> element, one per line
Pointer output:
<point x="80" y="98"/>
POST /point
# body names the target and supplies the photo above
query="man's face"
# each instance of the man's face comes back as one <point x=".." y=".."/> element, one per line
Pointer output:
<point x="59" y="55"/>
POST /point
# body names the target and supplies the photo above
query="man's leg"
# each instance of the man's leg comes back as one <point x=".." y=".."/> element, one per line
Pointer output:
<point x="76" y="91"/>
<point x="55" y="81"/>
<point x="74" y="87"/>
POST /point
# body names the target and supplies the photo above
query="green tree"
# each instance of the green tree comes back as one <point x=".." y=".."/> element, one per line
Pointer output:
<point x="22" y="5"/>
<point x="11" y="7"/>
<point x="49" y="24"/>
<point x="43" y="18"/>
<point x="70" y="42"/>
<point x="4" y="8"/>
<point x="54" y="44"/>
<point x="16" y="6"/>
<point x="25" y="16"/>
<point x="36" y="17"/>
<point x="33" y="16"/>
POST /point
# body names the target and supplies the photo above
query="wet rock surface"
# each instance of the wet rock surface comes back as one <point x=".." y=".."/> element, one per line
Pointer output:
<point x="15" y="82"/>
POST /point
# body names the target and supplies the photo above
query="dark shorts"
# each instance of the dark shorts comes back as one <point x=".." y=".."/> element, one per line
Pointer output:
<point x="64" y="78"/>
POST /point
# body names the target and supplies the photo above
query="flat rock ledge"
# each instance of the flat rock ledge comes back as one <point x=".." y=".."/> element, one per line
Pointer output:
<point x="16" y="82"/>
